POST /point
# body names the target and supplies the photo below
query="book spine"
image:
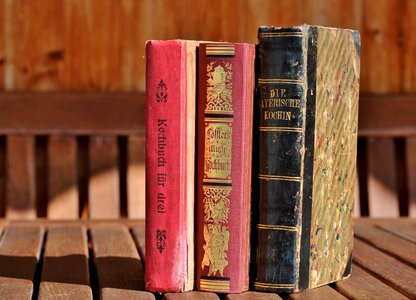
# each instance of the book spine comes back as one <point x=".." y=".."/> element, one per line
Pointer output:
<point x="225" y="106"/>
<point x="281" y="100"/>
<point x="169" y="228"/>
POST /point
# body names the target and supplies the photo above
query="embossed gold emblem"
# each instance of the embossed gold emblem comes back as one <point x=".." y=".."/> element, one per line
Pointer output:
<point x="219" y="88"/>
<point x="216" y="233"/>
<point x="216" y="204"/>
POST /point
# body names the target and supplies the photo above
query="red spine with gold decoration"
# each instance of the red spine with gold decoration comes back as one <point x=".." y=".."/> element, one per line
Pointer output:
<point x="225" y="116"/>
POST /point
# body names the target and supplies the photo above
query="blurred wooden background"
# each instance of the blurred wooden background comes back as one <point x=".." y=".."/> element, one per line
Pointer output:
<point x="98" y="45"/>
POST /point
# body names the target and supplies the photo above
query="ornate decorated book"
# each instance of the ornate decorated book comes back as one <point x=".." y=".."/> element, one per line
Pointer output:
<point x="225" y="113"/>
<point x="308" y="89"/>
<point x="170" y="164"/>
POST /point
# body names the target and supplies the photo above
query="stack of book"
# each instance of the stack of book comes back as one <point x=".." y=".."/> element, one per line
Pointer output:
<point x="251" y="147"/>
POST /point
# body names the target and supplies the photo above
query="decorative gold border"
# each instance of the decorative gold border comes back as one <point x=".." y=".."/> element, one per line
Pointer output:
<point x="277" y="34"/>
<point x="219" y="187"/>
<point x="272" y="285"/>
<point x="215" y="180"/>
<point x="281" y="129"/>
<point x="220" y="50"/>
<point x="214" y="285"/>
<point x="275" y="177"/>
<point x="222" y="112"/>
<point x="277" y="227"/>
<point x="220" y="120"/>
<point x="281" y="80"/>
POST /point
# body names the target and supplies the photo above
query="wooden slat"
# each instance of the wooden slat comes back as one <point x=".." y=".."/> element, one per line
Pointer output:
<point x="253" y="16"/>
<point x="136" y="177"/>
<point x="403" y="230"/>
<point x="77" y="57"/>
<point x="66" y="256"/>
<point x="64" y="291"/>
<point x="103" y="22"/>
<point x="104" y="184"/>
<point x="39" y="66"/>
<point x="118" y="29"/>
<point x="139" y="236"/>
<point x="411" y="171"/>
<point x="85" y="222"/>
<point x="381" y="69"/>
<point x="2" y="47"/>
<point x="381" y="178"/>
<point x="361" y="285"/>
<point x="131" y="48"/>
<point x="339" y="13"/>
<point x="72" y="113"/>
<point x="20" y="251"/>
<point x="253" y="296"/>
<point x="116" y="259"/>
<point x="378" y="115"/>
<point x="394" y="273"/>
<point x="191" y="296"/>
<point x="320" y="293"/>
<point x="387" y="242"/>
<point x="62" y="169"/>
<point x="409" y="46"/>
<point x="20" y="178"/>
<point x="119" y="294"/>
<point x="405" y="221"/>
<point x="409" y="86"/>
<point x="15" y="289"/>
<point x="34" y="68"/>
<point x="214" y="26"/>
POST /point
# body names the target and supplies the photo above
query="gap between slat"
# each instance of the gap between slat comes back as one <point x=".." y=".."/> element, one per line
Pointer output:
<point x="122" y="143"/>
<point x="83" y="175"/>
<point x="41" y="175"/>
<point x="362" y="165"/>
<point x="401" y="176"/>
<point x="92" y="268"/>
<point x="39" y="266"/>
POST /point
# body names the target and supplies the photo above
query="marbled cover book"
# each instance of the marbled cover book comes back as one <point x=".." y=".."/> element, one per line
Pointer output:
<point x="307" y="104"/>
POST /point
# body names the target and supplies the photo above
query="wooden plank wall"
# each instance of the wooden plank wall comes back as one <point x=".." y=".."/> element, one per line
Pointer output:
<point x="96" y="45"/>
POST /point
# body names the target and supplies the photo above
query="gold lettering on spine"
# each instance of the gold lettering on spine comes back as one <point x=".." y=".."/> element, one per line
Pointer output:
<point x="217" y="163"/>
<point x="217" y="167"/>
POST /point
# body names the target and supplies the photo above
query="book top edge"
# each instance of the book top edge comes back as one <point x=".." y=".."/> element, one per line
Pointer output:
<point x="177" y="41"/>
<point x="224" y="44"/>
<point x="295" y="29"/>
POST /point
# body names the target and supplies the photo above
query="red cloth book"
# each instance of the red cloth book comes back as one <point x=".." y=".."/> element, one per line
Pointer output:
<point x="170" y="164"/>
<point x="225" y="113"/>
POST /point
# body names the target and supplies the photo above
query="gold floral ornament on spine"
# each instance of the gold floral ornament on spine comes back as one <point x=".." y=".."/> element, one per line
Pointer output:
<point x="216" y="233"/>
<point x="219" y="88"/>
<point x="217" y="166"/>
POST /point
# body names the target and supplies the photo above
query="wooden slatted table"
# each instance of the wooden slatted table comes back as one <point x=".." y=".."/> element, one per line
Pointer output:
<point x="104" y="260"/>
